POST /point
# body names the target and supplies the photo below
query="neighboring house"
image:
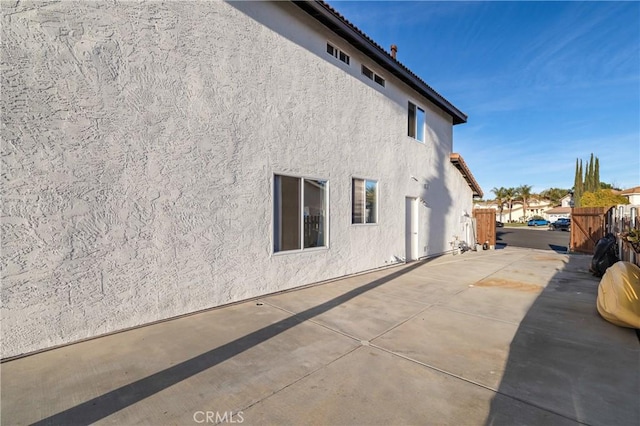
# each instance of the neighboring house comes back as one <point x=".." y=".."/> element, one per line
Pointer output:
<point x="632" y="194"/>
<point x="567" y="200"/>
<point x="534" y="208"/>
<point x="168" y="157"/>
<point x="557" y="212"/>
<point x="562" y="211"/>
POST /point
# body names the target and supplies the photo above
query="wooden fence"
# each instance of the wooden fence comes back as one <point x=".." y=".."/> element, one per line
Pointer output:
<point x="588" y="225"/>
<point x="486" y="225"/>
<point x="620" y="220"/>
<point x="313" y="231"/>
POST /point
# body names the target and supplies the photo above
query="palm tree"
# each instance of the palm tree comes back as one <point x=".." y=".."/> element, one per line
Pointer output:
<point x="500" y="198"/>
<point x="554" y="195"/>
<point x="525" y="195"/>
<point x="510" y="195"/>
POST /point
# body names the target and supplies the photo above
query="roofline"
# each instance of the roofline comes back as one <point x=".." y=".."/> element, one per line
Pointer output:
<point x="458" y="162"/>
<point x="335" y="22"/>
<point x="630" y="191"/>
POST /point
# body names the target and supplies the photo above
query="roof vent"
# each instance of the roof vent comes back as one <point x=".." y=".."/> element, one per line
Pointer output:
<point x="394" y="51"/>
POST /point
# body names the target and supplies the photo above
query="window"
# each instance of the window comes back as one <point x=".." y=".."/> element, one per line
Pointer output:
<point x="416" y="122"/>
<point x="372" y="76"/>
<point x="364" y="207"/>
<point x="300" y="212"/>
<point x="337" y="53"/>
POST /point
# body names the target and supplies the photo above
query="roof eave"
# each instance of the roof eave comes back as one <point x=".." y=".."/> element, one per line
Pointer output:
<point x="458" y="162"/>
<point x="331" y="19"/>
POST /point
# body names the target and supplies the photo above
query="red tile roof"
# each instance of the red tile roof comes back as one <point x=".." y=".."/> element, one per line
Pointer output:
<point x="456" y="160"/>
<point x="634" y="190"/>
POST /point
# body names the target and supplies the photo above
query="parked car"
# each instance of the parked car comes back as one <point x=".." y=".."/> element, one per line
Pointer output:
<point x="562" y="224"/>
<point x="537" y="222"/>
<point x="499" y="224"/>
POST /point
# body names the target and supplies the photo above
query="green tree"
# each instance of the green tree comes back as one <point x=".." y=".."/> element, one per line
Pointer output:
<point x="578" y="184"/>
<point x="602" y="198"/>
<point x="605" y="185"/>
<point x="588" y="176"/>
<point x="596" y="175"/>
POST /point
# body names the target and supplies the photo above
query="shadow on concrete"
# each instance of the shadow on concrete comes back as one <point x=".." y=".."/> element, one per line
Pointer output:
<point x="558" y="249"/>
<point x="500" y="244"/>
<point x="566" y="363"/>
<point x="104" y="405"/>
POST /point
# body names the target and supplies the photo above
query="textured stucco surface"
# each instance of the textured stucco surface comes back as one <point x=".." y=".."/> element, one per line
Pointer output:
<point x="139" y="144"/>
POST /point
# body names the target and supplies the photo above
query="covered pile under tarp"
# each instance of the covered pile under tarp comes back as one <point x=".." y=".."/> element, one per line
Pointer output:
<point x="619" y="295"/>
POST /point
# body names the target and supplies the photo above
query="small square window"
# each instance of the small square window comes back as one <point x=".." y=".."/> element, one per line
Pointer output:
<point x="338" y="54"/>
<point x="372" y="76"/>
<point x="330" y="49"/>
<point x="367" y="72"/>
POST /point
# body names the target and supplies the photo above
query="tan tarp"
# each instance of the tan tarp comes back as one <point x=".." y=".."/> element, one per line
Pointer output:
<point x="619" y="295"/>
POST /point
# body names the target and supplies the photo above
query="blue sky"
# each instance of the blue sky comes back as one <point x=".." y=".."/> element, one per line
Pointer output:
<point x="543" y="83"/>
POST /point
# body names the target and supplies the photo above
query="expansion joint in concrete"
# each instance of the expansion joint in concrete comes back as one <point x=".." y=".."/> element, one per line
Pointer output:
<point x="478" y="384"/>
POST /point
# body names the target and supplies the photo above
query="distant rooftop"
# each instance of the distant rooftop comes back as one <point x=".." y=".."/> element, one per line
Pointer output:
<point x="634" y="190"/>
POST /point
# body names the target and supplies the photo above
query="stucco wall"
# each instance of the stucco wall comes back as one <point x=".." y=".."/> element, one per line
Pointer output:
<point x="139" y="144"/>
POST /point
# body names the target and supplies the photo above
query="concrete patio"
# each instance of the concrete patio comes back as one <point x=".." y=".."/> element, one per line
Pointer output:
<point x="500" y="337"/>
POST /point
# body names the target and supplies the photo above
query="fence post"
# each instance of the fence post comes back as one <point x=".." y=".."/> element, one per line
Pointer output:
<point x="632" y="225"/>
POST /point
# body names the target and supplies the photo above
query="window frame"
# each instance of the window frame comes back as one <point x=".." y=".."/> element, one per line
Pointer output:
<point x="372" y="75"/>
<point x="338" y="54"/>
<point x="277" y="218"/>
<point x="413" y="117"/>
<point x="364" y="198"/>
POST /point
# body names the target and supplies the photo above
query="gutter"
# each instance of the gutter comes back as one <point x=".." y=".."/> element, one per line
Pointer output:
<point x="335" y="22"/>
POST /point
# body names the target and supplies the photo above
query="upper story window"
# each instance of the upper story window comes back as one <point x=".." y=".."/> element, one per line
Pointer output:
<point x="364" y="206"/>
<point x="339" y="54"/>
<point x="300" y="213"/>
<point x="416" y="127"/>
<point x="372" y="76"/>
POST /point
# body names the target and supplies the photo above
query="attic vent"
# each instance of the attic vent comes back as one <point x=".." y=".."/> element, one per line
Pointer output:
<point x="338" y="54"/>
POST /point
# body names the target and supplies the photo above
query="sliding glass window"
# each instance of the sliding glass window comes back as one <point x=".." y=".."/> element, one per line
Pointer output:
<point x="300" y="213"/>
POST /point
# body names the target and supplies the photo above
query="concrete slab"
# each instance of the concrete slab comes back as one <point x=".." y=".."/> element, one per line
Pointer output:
<point x="373" y="387"/>
<point x="465" y="345"/>
<point x="508" y="304"/>
<point x="163" y="373"/>
<point x="375" y="312"/>
<point x="507" y="337"/>
<point x="592" y="383"/>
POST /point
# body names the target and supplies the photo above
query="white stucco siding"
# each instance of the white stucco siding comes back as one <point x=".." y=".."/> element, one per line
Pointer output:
<point x="140" y="141"/>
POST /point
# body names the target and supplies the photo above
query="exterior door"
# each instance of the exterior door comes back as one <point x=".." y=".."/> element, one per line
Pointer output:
<point x="411" y="229"/>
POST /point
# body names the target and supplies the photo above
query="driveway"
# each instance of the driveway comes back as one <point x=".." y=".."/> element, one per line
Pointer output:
<point x="494" y="337"/>
<point x="541" y="238"/>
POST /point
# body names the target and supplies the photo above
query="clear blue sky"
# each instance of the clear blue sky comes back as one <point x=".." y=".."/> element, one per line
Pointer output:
<point x="543" y="83"/>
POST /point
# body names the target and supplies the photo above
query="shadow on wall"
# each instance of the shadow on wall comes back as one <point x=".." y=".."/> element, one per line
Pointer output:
<point x="439" y="202"/>
<point x="566" y="364"/>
